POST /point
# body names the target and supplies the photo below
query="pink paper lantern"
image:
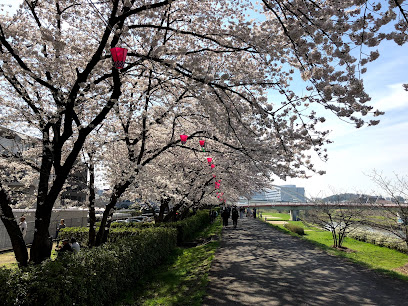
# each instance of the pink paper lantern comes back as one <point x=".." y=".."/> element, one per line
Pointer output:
<point x="213" y="166"/>
<point x="183" y="138"/>
<point x="202" y="143"/>
<point x="209" y="159"/>
<point x="119" y="56"/>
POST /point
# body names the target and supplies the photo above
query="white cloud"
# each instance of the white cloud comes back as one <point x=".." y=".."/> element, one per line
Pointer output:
<point x="394" y="98"/>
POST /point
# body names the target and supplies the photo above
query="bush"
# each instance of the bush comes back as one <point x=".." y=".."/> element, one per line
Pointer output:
<point x="96" y="276"/>
<point x="380" y="239"/>
<point x="294" y="228"/>
<point x="92" y="276"/>
<point x="188" y="228"/>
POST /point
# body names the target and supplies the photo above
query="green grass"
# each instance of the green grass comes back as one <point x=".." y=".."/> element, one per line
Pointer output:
<point x="181" y="280"/>
<point x="8" y="259"/>
<point x="276" y="216"/>
<point x="375" y="257"/>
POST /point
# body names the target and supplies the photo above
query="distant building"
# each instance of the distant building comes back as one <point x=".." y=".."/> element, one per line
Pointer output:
<point x="287" y="193"/>
<point x="284" y="193"/>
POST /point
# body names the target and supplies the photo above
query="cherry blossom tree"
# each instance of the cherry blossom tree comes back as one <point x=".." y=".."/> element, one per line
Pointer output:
<point x="57" y="78"/>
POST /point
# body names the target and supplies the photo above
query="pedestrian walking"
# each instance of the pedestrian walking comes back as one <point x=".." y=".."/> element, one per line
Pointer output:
<point x="59" y="227"/>
<point x="254" y="213"/>
<point x="235" y="216"/>
<point x="23" y="226"/>
<point x="225" y="216"/>
<point x="241" y="212"/>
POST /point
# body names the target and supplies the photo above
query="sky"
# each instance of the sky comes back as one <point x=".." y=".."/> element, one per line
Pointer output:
<point x="355" y="153"/>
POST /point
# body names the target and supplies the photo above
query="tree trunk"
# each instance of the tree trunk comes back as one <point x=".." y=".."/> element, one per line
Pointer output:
<point x="42" y="243"/>
<point x="171" y="216"/>
<point x="164" y="203"/>
<point x="92" y="218"/>
<point x="13" y="230"/>
<point x="106" y="221"/>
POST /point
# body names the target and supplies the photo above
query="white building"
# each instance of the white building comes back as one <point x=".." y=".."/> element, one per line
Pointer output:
<point x="284" y="193"/>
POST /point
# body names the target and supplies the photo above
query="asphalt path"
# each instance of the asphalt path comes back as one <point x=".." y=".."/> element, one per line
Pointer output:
<point x="259" y="265"/>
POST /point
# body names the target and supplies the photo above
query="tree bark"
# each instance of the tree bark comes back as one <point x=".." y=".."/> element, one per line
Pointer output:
<point x="164" y="203"/>
<point x="42" y="243"/>
<point x="106" y="221"/>
<point x="13" y="230"/>
<point x="92" y="218"/>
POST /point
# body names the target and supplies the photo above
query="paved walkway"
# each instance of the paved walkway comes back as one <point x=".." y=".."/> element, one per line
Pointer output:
<point x="258" y="265"/>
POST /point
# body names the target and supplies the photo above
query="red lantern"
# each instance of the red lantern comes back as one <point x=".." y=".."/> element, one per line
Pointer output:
<point x="214" y="176"/>
<point x="183" y="138"/>
<point x="213" y="166"/>
<point x="209" y="159"/>
<point x="119" y="56"/>
<point x="202" y="143"/>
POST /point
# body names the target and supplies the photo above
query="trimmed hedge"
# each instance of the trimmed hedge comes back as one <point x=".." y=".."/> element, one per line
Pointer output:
<point x="91" y="277"/>
<point x="96" y="276"/>
<point x="186" y="229"/>
<point x="379" y="239"/>
<point x="294" y="228"/>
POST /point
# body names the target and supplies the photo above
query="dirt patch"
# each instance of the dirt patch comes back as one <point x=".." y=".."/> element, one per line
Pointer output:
<point x="402" y="270"/>
<point x="344" y="249"/>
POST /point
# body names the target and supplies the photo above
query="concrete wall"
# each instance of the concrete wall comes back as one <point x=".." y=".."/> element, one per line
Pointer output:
<point x="72" y="217"/>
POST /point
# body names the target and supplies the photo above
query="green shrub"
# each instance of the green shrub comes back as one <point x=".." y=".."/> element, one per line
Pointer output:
<point x="92" y="276"/>
<point x="294" y="228"/>
<point x="381" y="239"/>
<point x="96" y="276"/>
<point x="188" y="228"/>
<point x="81" y="234"/>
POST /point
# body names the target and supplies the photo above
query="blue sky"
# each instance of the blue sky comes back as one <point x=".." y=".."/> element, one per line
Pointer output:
<point x="356" y="152"/>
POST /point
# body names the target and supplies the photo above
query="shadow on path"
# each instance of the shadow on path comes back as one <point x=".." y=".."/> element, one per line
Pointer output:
<point x="257" y="264"/>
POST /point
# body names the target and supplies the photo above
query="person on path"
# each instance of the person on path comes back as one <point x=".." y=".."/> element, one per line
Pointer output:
<point x="23" y="226"/>
<point x="248" y="212"/>
<point x="254" y="213"/>
<point x="225" y="216"/>
<point x="60" y="226"/>
<point x="235" y="216"/>
<point x="241" y="212"/>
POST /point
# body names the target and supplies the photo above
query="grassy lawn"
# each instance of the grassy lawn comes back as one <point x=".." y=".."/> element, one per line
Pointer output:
<point x="181" y="280"/>
<point x="375" y="257"/>
<point x="275" y="216"/>
<point x="8" y="260"/>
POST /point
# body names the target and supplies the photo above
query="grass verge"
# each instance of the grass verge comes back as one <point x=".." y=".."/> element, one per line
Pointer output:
<point x="181" y="280"/>
<point x="378" y="258"/>
<point x="275" y="216"/>
<point x="8" y="259"/>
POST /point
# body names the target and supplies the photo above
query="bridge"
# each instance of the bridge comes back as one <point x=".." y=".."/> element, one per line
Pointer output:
<point x="294" y="207"/>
